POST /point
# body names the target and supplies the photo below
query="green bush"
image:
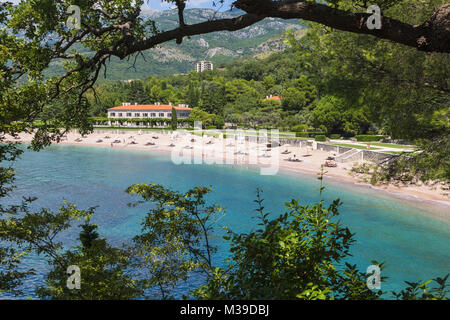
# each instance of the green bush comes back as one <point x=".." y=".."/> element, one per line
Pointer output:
<point x="335" y="136"/>
<point x="368" y="137"/>
<point x="211" y="127"/>
<point x="312" y="134"/>
<point x="308" y="134"/>
<point x="320" y="137"/>
<point x="219" y="123"/>
<point x="299" y="128"/>
<point x="302" y="134"/>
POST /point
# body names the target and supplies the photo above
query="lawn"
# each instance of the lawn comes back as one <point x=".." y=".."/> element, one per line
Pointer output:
<point x="392" y="145"/>
<point x="410" y="153"/>
<point x="355" y="146"/>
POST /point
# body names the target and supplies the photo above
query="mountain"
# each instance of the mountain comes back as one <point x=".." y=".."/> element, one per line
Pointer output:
<point x="170" y="58"/>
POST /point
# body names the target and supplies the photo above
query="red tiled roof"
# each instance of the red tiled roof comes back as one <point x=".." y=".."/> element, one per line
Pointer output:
<point x="273" y="98"/>
<point x="132" y="107"/>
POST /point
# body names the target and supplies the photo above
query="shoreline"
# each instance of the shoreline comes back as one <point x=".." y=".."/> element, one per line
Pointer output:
<point x="420" y="194"/>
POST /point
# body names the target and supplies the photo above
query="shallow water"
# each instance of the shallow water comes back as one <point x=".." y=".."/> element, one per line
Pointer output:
<point x="405" y="234"/>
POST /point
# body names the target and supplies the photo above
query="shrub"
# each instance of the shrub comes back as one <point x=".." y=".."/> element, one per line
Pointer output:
<point x="368" y="137"/>
<point x="312" y="134"/>
<point x="302" y="134"/>
<point x="219" y="123"/>
<point x="299" y="128"/>
<point x="320" y="137"/>
<point x="335" y="136"/>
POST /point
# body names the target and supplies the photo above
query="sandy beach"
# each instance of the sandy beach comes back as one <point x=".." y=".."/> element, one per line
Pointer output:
<point x="186" y="147"/>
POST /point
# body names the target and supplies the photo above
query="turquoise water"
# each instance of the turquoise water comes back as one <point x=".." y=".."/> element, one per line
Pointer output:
<point x="414" y="244"/>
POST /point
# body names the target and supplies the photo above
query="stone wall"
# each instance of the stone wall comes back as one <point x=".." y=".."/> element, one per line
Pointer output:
<point x="374" y="156"/>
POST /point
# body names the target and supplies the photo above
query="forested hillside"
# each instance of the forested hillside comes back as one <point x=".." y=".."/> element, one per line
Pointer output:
<point x="236" y="95"/>
<point x="264" y="37"/>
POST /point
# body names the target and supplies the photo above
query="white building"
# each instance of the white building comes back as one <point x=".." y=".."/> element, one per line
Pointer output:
<point x="204" y="66"/>
<point x="130" y="115"/>
<point x="135" y="111"/>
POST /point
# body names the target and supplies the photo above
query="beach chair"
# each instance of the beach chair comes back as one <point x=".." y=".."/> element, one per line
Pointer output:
<point x="330" y="164"/>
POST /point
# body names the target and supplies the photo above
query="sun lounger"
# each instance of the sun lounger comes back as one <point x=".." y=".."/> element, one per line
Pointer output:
<point x="188" y="147"/>
<point x="293" y="160"/>
<point x="155" y="137"/>
<point x="99" y="140"/>
<point x="150" y="144"/>
<point x="330" y="164"/>
<point x="116" y="141"/>
<point x="106" y="137"/>
<point x="78" y="140"/>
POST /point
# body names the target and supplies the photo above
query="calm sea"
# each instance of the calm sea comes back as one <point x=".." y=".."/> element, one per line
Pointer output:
<point x="405" y="234"/>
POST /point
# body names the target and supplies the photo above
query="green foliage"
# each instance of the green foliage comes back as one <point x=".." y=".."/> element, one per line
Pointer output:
<point x="366" y="85"/>
<point x="299" y="128"/>
<point x="174" y="122"/>
<point x="422" y="291"/>
<point x="331" y="113"/>
<point x="300" y="95"/>
<point x="103" y="272"/>
<point x="320" y="137"/>
<point x="199" y="115"/>
<point x="302" y="134"/>
<point x="390" y="88"/>
<point x="335" y="136"/>
<point x="296" y="255"/>
<point x="175" y="237"/>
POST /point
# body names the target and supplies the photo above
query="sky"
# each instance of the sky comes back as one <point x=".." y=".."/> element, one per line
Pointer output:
<point x="160" y="5"/>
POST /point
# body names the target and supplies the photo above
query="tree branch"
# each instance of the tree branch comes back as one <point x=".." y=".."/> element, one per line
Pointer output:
<point x="431" y="36"/>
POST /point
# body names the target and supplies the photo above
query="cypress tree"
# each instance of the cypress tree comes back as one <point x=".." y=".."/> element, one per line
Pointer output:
<point x="174" y="119"/>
